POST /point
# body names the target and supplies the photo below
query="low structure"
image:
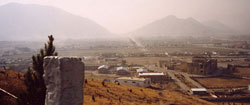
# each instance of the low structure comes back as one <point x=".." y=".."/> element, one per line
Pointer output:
<point x="155" y="77"/>
<point x="122" y="68"/>
<point x="199" y="91"/>
<point x="134" y="68"/>
<point x="141" y="70"/>
<point x="63" y="78"/>
<point x="104" y="69"/>
<point x="122" y="71"/>
<point x="133" y="81"/>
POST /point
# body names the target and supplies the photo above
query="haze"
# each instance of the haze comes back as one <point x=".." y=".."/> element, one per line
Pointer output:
<point x="122" y="16"/>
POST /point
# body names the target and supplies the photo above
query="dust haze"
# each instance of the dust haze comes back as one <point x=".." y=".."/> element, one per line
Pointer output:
<point x="143" y="49"/>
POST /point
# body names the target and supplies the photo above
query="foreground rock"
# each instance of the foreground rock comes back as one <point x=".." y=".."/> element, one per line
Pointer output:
<point x="63" y="77"/>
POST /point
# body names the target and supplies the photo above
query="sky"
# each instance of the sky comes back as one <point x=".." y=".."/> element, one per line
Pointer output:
<point x="123" y="16"/>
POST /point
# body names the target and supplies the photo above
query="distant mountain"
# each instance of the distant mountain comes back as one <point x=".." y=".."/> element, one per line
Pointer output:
<point x="172" y="26"/>
<point x="32" y="22"/>
<point x="220" y="27"/>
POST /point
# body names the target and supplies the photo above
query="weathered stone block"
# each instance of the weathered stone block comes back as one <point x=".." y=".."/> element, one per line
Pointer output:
<point x="63" y="77"/>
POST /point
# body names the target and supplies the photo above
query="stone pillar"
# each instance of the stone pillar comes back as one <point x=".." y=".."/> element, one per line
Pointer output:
<point x="63" y="78"/>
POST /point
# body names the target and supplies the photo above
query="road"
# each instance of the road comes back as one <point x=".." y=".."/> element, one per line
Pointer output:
<point x="183" y="86"/>
<point x="187" y="77"/>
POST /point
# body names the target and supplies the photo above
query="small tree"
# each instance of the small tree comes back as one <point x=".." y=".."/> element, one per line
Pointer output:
<point x="34" y="81"/>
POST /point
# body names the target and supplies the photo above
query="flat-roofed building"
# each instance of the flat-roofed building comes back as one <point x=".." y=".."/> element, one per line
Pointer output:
<point x="155" y="77"/>
<point x="122" y="71"/>
<point x="199" y="91"/>
<point x="141" y="70"/>
<point x="133" y="81"/>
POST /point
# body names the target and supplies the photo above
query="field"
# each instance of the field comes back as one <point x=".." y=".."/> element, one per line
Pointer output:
<point x="222" y="82"/>
<point x="244" y="72"/>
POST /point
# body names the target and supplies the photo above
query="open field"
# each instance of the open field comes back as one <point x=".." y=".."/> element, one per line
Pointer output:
<point x="152" y="60"/>
<point x="90" y="76"/>
<point x="222" y="82"/>
<point x="244" y="72"/>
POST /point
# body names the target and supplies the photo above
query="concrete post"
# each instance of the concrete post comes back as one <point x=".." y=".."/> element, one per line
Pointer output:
<point x="63" y="77"/>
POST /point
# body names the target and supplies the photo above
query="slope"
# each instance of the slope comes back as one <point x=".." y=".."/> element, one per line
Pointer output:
<point x="31" y="21"/>
<point x="171" y="26"/>
<point x="109" y="94"/>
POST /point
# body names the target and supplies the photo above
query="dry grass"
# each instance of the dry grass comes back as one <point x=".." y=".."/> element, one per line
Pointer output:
<point x="10" y="82"/>
<point x="110" y="94"/>
<point x="113" y="94"/>
<point x="222" y="82"/>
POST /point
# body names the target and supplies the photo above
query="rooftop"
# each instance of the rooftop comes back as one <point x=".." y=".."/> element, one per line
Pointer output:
<point x="131" y="78"/>
<point x="151" y="74"/>
<point x="121" y="68"/>
<point x="103" y="67"/>
<point x="198" y="89"/>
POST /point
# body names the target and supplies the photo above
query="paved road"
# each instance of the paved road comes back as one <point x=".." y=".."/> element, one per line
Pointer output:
<point x="171" y="73"/>
<point x="198" y="85"/>
<point x="187" y="77"/>
<point x="183" y="86"/>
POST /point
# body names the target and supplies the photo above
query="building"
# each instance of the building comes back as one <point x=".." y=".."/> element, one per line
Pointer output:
<point x="135" y="67"/>
<point x="141" y="70"/>
<point x="122" y="71"/>
<point x="199" y="91"/>
<point x="104" y="69"/>
<point x="171" y="64"/>
<point x="155" y="77"/>
<point x="133" y="81"/>
<point x="200" y="66"/>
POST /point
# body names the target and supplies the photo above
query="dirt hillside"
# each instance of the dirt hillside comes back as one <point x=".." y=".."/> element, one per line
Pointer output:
<point x="95" y="93"/>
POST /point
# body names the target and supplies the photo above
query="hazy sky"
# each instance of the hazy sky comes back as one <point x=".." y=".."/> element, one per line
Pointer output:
<point x="121" y="16"/>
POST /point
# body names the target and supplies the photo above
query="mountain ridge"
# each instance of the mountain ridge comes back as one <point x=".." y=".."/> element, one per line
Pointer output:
<point x="32" y="21"/>
<point x="171" y="26"/>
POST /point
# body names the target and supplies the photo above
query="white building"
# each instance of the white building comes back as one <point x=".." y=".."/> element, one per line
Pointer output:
<point x="155" y="77"/>
<point x="103" y="67"/>
<point x="151" y="74"/>
<point x="133" y="81"/>
<point x="199" y="91"/>
<point x="141" y="70"/>
<point x="122" y="68"/>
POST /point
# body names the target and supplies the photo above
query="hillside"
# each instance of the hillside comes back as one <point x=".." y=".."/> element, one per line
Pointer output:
<point x="216" y="25"/>
<point x="171" y="26"/>
<point x="110" y="94"/>
<point x="12" y="82"/>
<point x="31" y="21"/>
<point x="113" y="94"/>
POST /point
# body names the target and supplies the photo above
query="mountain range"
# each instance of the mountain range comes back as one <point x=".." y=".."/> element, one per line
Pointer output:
<point x="171" y="26"/>
<point x="35" y="22"/>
